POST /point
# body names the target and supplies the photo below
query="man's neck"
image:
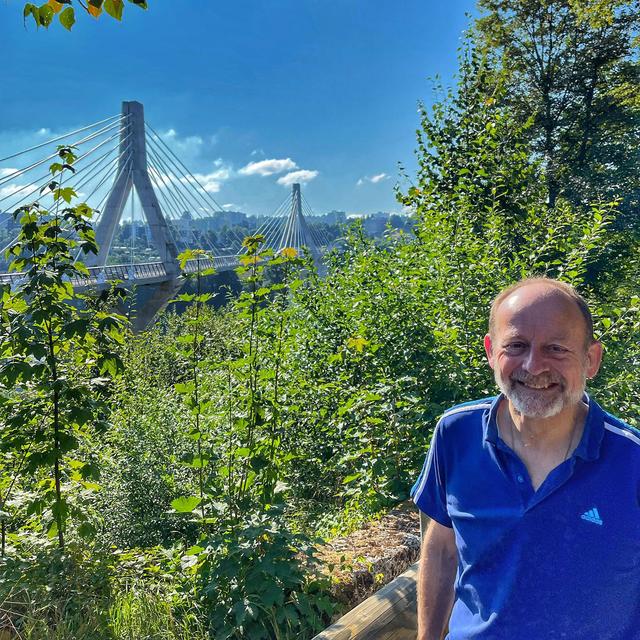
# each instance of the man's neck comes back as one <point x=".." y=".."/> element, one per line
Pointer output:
<point x="543" y="434"/>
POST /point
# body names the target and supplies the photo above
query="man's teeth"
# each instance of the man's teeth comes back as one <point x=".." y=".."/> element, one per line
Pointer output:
<point x="535" y="386"/>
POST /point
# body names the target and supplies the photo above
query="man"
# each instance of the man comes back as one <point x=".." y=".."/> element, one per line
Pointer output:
<point x="533" y="495"/>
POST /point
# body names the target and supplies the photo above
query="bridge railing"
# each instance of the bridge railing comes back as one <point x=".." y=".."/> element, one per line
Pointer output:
<point x="133" y="272"/>
<point x="217" y="262"/>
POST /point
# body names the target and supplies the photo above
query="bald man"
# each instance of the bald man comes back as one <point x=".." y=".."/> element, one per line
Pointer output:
<point x="534" y="495"/>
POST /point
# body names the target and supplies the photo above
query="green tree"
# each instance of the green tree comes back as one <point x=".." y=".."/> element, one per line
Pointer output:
<point x="58" y="352"/>
<point x="572" y="67"/>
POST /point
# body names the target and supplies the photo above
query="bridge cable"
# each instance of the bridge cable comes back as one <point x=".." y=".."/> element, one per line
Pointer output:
<point x="62" y="137"/>
<point x="272" y="223"/>
<point x="48" y="178"/>
<point x="113" y="164"/>
<point x="320" y="238"/>
<point x="175" y="196"/>
<point x="186" y="197"/>
<point x="164" y="176"/>
<point x="167" y="207"/>
<point x="268" y="228"/>
<point x="185" y="183"/>
<point x="89" y="176"/>
<point x="191" y="178"/>
<point x="18" y="172"/>
<point x="118" y="167"/>
<point x="164" y="144"/>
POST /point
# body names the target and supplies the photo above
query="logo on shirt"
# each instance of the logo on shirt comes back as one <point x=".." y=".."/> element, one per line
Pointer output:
<point x="592" y="516"/>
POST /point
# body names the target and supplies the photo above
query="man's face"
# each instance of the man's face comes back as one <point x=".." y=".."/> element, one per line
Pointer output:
<point x="538" y="351"/>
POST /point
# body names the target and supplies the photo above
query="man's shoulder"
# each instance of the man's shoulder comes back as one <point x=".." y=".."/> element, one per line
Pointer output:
<point x="621" y="432"/>
<point x="465" y="412"/>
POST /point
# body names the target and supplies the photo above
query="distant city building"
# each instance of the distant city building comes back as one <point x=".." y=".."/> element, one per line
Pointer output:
<point x="333" y="217"/>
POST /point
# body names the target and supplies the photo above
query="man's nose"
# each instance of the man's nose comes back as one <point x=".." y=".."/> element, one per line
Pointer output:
<point x="534" y="363"/>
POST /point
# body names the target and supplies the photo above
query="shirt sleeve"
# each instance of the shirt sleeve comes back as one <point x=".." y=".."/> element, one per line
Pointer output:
<point x="429" y="492"/>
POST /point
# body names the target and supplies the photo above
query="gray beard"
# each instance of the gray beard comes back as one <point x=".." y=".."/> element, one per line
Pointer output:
<point x="535" y="405"/>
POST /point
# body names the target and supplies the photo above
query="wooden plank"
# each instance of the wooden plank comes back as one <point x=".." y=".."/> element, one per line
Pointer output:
<point x="389" y="614"/>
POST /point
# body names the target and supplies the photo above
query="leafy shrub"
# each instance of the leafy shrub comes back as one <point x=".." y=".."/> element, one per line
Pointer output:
<point x="258" y="581"/>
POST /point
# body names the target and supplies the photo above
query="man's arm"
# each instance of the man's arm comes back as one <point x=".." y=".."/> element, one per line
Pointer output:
<point x="436" y="576"/>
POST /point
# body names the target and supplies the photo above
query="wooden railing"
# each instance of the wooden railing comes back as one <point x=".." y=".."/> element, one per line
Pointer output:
<point x="389" y="614"/>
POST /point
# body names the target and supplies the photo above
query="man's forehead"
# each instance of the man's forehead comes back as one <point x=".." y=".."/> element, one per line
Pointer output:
<point x="537" y="307"/>
<point x="512" y="328"/>
<point x="537" y="299"/>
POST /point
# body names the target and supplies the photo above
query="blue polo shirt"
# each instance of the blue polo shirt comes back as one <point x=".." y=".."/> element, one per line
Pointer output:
<point x="559" y="562"/>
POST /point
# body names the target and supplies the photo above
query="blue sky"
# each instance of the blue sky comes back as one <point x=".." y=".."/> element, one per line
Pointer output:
<point x="327" y="88"/>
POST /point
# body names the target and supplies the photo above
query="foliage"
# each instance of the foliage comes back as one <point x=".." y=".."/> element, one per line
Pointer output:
<point x="572" y="68"/>
<point x="258" y="582"/>
<point x="190" y="350"/>
<point x="57" y="359"/>
<point x="94" y="593"/>
<point x="43" y="15"/>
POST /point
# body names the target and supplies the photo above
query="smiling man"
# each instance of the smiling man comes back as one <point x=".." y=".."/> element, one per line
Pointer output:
<point x="534" y="495"/>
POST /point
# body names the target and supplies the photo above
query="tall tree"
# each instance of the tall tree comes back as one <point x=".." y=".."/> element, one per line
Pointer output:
<point x="573" y="68"/>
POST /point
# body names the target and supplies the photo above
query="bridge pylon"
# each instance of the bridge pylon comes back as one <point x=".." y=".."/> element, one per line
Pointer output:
<point x="296" y="232"/>
<point x="133" y="172"/>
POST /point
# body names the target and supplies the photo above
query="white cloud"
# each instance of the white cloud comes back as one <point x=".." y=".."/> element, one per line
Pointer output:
<point x="257" y="152"/>
<point x="229" y="205"/>
<point x="161" y="180"/>
<point x="268" y="167"/>
<point x="10" y="189"/>
<point x="182" y="147"/>
<point x="44" y="131"/>
<point x="7" y="171"/>
<point x="303" y="176"/>
<point x="211" y="182"/>
<point x="379" y="177"/>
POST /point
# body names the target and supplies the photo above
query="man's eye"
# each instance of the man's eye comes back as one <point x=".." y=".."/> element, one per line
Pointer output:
<point x="556" y="348"/>
<point x="514" y="346"/>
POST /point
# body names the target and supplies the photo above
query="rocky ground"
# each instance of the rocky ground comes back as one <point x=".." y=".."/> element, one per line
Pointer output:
<point x="369" y="558"/>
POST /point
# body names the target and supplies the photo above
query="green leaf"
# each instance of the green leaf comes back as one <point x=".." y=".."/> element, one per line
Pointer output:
<point x="185" y="388"/>
<point x="31" y="9"/>
<point x="114" y="8"/>
<point x="184" y="257"/>
<point x="66" y="193"/>
<point x="185" y="504"/>
<point x="272" y="596"/>
<point x="45" y="15"/>
<point x="243" y="610"/>
<point x="67" y="18"/>
<point x="53" y="530"/>
<point x="86" y="530"/>
<point x="199" y="462"/>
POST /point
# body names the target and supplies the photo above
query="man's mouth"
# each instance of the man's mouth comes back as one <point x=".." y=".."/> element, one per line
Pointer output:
<point x="536" y="386"/>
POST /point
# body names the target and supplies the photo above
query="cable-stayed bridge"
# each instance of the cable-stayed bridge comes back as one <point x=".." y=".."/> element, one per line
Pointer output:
<point x="125" y="171"/>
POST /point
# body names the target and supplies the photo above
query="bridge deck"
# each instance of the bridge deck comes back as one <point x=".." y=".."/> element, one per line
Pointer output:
<point x="139" y="274"/>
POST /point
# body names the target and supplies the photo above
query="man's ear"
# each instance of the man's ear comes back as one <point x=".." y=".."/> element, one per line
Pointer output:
<point x="488" y="347"/>
<point x="594" y="358"/>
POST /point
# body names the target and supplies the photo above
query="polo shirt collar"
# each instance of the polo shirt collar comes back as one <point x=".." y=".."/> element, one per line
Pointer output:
<point x="589" y="446"/>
